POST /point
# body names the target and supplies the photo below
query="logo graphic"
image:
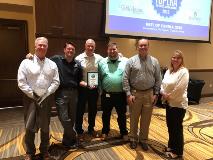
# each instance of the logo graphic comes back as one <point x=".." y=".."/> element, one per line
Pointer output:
<point x="166" y="8"/>
<point x="93" y="75"/>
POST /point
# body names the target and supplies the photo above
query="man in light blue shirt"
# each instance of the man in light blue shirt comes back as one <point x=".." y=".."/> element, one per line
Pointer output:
<point x="111" y="71"/>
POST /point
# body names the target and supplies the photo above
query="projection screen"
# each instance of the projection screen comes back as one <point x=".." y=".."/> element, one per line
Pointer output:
<point x="168" y="19"/>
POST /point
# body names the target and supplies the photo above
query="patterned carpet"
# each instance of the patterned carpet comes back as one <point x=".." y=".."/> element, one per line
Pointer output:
<point x="198" y="134"/>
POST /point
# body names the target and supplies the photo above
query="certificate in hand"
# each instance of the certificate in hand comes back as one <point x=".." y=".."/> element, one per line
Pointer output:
<point x="92" y="79"/>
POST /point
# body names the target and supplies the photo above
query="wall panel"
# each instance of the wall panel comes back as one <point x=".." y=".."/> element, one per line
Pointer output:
<point x="75" y="20"/>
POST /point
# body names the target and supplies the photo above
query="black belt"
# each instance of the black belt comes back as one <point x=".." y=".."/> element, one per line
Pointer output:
<point x="105" y="92"/>
<point x="137" y="90"/>
<point x="67" y="88"/>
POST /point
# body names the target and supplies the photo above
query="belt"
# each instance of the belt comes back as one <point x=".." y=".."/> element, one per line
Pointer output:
<point x="137" y="90"/>
<point x="67" y="88"/>
<point x="113" y="92"/>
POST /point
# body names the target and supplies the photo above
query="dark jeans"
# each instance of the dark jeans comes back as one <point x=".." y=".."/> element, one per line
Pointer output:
<point x="117" y="100"/>
<point x="174" y="121"/>
<point x="66" y="103"/>
<point x="37" y="117"/>
<point x="90" y="96"/>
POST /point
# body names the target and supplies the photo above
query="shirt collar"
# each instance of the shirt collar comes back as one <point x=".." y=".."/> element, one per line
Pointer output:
<point x="109" y="61"/>
<point x="38" y="59"/>
<point x="85" y="55"/>
<point x="147" y="57"/>
<point x="64" y="59"/>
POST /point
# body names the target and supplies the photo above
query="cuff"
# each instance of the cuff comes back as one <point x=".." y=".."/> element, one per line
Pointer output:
<point x="128" y="93"/>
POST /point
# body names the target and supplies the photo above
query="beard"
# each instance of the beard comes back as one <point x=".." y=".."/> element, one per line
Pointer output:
<point x="113" y="58"/>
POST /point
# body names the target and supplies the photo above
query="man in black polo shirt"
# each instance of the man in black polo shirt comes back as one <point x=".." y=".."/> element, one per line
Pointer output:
<point x="66" y="97"/>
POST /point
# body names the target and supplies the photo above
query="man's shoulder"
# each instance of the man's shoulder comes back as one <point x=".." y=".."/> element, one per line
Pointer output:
<point x="27" y="61"/>
<point x="56" y="57"/>
<point x="81" y="55"/>
<point x="125" y="59"/>
<point x="51" y="62"/>
<point x="104" y="60"/>
<point x="98" y="56"/>
<point x="153" y="58"/>
<point x="77" y="62"/>
<point x="132" y="59"/>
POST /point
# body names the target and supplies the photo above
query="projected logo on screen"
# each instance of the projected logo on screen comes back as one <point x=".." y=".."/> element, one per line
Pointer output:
<point x="166" y="8"/>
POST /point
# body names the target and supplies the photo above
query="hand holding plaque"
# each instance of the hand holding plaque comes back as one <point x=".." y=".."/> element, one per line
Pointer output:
<point x="92" y="79"/>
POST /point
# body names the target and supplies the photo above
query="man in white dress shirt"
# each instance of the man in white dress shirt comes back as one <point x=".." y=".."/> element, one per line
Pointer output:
<point x="38" y="78"/>
<point x="87" y="93"/>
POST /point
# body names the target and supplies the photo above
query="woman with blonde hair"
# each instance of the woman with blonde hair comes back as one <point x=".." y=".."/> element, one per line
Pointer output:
<point x="174" y="94"/>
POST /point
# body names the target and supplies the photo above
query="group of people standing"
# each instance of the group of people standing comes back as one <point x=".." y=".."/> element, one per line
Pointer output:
<point x="135" y="82"/>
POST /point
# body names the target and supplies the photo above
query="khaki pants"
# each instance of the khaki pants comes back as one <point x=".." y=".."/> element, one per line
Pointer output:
<point x="142" y="108"/>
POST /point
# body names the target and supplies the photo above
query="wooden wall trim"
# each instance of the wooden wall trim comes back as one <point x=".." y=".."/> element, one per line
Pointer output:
<point x="6" y="79"/>
<point x="76" y="21"/>
<point x="93" y="1"/>
<point x="17" y="8"/>
<point x="66" y="36"/>
<point x="207" y="95"/>
<point x="200" y="70"/>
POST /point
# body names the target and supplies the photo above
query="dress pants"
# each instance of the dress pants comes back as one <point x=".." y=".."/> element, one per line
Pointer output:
<point x="174" y="121"/>
<point x="117" y="100"/>
<point x="141" y="109"/>
<point x="66" y="103"/>
<point x="37" y="117"/>
<point x="90" y="96"/>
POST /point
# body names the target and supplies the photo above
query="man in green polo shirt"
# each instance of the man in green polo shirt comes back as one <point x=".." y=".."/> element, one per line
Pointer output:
<point x="111" y="71"/>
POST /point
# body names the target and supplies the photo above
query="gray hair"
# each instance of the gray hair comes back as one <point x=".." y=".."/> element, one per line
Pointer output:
<point x="41" y="38"/>
<point x="90" y="41"/>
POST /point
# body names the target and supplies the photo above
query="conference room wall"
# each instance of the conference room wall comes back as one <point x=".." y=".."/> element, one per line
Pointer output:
<point x="20" y="2"/>
<point x="205" y="52"/>
<point x="161" y="50"/>
<point x="197" y="55"/>
<point x="18" y="12"/>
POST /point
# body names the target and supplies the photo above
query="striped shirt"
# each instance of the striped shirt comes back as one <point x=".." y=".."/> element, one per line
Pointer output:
<point x="142" y="74"/>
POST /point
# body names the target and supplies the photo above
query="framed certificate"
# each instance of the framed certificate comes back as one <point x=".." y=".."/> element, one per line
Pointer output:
<point x="92" y="79"/>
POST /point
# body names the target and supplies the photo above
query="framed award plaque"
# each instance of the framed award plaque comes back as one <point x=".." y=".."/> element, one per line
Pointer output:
<point x="92" y="79"/>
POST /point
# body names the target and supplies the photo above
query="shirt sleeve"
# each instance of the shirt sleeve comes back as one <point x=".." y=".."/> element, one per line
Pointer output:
<point x="80" y="74"/>
<point x="158" y="78"/>
<point x="126" y="77"/>
<point x="55" y="82"/>
<point x="162" y="86"/>
<point x="181" y="85"/>
<point x="100" y="77"/>
<point x="54" y="58"/>
<point x="22" y="80"/>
